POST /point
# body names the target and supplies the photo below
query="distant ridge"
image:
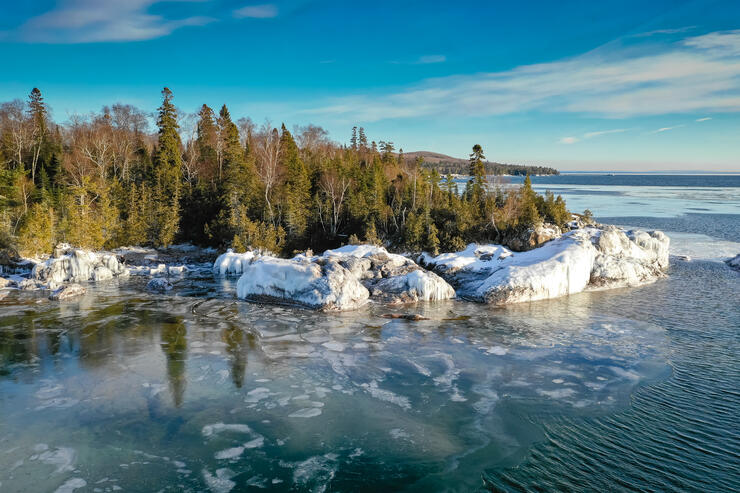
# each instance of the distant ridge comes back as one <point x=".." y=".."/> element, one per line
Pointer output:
<point x="445" y="164"/>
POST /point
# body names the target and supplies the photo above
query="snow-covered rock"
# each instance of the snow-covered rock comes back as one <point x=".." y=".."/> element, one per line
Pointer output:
<point x="417" y="285"/>
<point x="628" y="259"/>
<point x="232" y="263"/>
<point x="66" y="292"/>
<point x="159" y="285"/>
<point x="390" y="277"/>
<point x="77" y="265"/>
<point x="581" y="259"/>
<point x="321" y="284"/>
<point x="734" y="262"/>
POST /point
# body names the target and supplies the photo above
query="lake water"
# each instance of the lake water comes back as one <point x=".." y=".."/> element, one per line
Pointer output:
<point x="629" y="389"/>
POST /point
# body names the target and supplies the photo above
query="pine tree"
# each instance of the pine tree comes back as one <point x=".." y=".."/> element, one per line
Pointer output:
<point x="166" y="176"/>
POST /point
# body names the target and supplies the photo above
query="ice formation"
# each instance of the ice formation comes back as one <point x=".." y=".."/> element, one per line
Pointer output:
<point x="232" y="263"/>
<point x="581" y="259"/>
<point x="323" y="285"/>
<point x="76" y="265"/>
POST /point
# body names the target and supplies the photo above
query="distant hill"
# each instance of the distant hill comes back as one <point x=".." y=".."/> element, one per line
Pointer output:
<point x="445" y="164"/>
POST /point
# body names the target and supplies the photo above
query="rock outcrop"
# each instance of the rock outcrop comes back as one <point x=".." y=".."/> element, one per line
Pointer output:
<point x="340" y="279"/>
<point x="582" y="259"/>
<point x="71" y="265"/>
<point x="527" y="239"/>
<point x="67" y="292"/>
<point x="734" y="262"/>
<point x="390" y="277"/>
<point x="321" y="284"/>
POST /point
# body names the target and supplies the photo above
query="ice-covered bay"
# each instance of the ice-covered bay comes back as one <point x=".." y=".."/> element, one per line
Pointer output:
<point x="138" y="391"/>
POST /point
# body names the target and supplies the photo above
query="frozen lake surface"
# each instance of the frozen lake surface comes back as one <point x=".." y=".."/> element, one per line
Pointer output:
<point x="195" y="390"/>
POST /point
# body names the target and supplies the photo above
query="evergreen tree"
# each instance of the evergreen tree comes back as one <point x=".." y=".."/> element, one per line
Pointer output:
<point x="166" y="176"/>
<point x="477" y="171"/>
<point x="353" y="139"/>
<point x="38" y="115"/>
<point x="297" y="188"/>
<point x="363" y="139"/>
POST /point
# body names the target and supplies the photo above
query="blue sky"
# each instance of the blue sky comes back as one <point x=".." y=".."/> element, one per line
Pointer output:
<point x="581" y="85"/>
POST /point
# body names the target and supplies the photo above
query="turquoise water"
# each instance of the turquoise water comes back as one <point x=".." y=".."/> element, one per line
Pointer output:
<point x="629" y="389"/>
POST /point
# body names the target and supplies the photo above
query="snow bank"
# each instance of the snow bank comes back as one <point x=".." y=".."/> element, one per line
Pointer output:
<point x="231" y="263"/>
<point x="322" y="285"/>
<point x="76" y="265"/>
<point x="581" y="259"/>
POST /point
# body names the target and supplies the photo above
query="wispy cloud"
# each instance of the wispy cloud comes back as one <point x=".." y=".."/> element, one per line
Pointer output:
<point x="703" y="119"/>
<point x="87" y="21"/>
<point x="431" y="59"/>
<point x="590" y="135"/>
<point x="264" y="11"/>
<point x="665" y="129"/>
<point x="569" y="140"/>
<point x="656" y="32"/>
<point x="700" y="73"/>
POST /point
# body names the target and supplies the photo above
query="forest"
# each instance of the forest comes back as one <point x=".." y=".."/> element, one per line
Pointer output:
<point x="123" y="176"/>
<point x="461" y="168"/>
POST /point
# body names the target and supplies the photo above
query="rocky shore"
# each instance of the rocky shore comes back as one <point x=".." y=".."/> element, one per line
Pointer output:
<point x="585" y="258"/>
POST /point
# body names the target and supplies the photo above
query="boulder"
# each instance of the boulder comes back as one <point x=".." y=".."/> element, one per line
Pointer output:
<point x="67" y="292"/>
<point x="159" y="285"/>
<point x="4" y="283"/>
<point x="320" y="284"/>
<point x="734" y="262"/>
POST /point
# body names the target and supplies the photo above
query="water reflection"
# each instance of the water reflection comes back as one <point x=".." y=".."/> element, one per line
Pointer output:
<point x="175" y="347"/>
<point x="303" y="398"/>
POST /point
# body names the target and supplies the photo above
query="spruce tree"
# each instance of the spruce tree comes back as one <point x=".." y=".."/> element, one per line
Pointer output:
<point x="38" y="114"/>
<point x="297" y="189"/>
<point x="477" y="171"/>
<point x="166" y="176"/>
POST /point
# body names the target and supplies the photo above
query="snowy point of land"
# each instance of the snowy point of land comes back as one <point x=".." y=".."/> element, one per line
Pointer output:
<point x="347" y="278"/>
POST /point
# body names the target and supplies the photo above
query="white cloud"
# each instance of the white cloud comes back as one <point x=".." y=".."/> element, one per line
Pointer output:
<point x="89" y="21"/>
<point x="665" y="129"/>
<point x="591" y="135"/>
<point x="664" y="31"/>
<point x="431" y="59"/>
<point x="703" y="119"/>
<point x="569" y="140"/>
<point x="700" y="73"/>
<point x="264" y="11"/>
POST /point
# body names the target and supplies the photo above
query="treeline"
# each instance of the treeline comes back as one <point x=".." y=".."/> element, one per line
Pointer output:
<point x="461" y="168"/>
<point x="105" y="180"/>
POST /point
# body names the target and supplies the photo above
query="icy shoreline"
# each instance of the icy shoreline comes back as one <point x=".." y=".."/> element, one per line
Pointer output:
<point x="346" y="278"/>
